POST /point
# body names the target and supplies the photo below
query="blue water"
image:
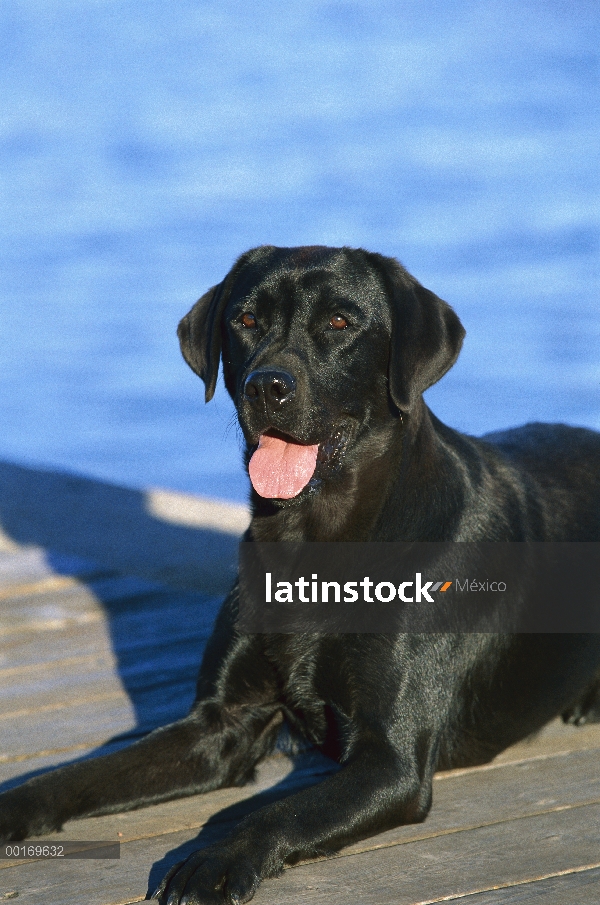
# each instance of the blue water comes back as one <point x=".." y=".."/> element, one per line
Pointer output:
<point x="144" y="146"/>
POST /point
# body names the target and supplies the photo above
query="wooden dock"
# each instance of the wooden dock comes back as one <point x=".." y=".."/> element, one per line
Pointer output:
<point x="107" y="596"/>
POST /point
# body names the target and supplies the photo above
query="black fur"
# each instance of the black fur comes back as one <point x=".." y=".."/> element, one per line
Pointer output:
<point x="391" y="708"/>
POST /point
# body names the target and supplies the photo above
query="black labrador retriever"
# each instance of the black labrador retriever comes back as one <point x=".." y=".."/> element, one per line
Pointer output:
<point x="326" y="353"/>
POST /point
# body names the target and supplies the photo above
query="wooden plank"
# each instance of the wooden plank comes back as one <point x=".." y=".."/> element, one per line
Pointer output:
<point x="35" y="564"/>
<point x="579" y="888"/>
<point x="498" y="801"/>
<point x="91" y="704"/>
<point x="110" y="714"/>
<point x="154" y="642"/>
<point x="118" y="598"/>
<point x="24" y="652"/>
<point x="177" y="695"/>
<point x="78" y="726"/>
<point x="75" y="603"/>
<point x="40" y="685"/>
<point x="428" y="871"/>
<point x="196" y="511"/>
<point x="33" y="663"/>
<point x="81" y="647"/>
<point x="172" y="623"/>
<point x="158" y="640"/>
<point x="130" y="613"/>
<point x="555" y="738"/>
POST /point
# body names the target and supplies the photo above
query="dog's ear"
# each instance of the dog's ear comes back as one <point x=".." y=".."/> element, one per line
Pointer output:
<point x="427" y="336"/>
<point x="199" y="335"/>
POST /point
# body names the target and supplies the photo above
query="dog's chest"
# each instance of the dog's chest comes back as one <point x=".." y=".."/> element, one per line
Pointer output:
<point x="320" y="687"/>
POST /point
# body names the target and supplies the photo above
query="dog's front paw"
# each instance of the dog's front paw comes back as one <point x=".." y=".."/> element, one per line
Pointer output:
<point x="21" y="816"/>
<point x="212" y="876"/>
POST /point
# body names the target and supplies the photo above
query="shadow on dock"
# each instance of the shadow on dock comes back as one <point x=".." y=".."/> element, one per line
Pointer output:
<point x="158" y="564"/>
<point x="189" y="543"/>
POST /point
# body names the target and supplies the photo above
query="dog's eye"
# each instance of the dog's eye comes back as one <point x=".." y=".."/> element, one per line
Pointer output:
<point x="338" y="322"/>
<point x="248" y="320"/>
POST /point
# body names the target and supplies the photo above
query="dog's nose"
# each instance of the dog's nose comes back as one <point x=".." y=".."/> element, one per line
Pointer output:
<point x="272" y="386"/>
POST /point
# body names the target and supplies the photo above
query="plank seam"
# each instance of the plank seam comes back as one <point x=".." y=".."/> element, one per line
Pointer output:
<point x="52" y="625"/>
<point x="466" y="829"/>
<point x="83" y="746"/>
<point x="481" y="768"/>
<point x="512" y="884"/>
<point x="64" y="705"/>
<point x="52" y="583"/>
<point x="90" y="659"/>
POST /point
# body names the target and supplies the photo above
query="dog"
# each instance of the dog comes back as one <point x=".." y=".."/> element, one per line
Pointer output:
<point x="326" y="353"/>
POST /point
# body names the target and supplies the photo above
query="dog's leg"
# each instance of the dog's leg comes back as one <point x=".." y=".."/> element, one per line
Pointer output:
<point x="587" y="708"/>
<point x="232" y="725"/>
<point x="210" y="748"/>
<point x="376" y="790"/>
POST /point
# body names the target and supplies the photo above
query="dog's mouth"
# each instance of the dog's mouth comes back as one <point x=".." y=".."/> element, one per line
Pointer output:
<point x="281" y="467"/>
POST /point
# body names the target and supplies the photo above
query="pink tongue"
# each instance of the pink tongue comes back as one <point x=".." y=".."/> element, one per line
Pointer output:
<point x="280" y="470"/>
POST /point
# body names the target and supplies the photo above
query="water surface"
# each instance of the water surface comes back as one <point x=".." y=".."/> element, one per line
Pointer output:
<point x="143" y="147"/>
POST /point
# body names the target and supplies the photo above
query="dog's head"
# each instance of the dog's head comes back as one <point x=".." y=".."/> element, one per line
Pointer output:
<point x="318" y="345"/>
